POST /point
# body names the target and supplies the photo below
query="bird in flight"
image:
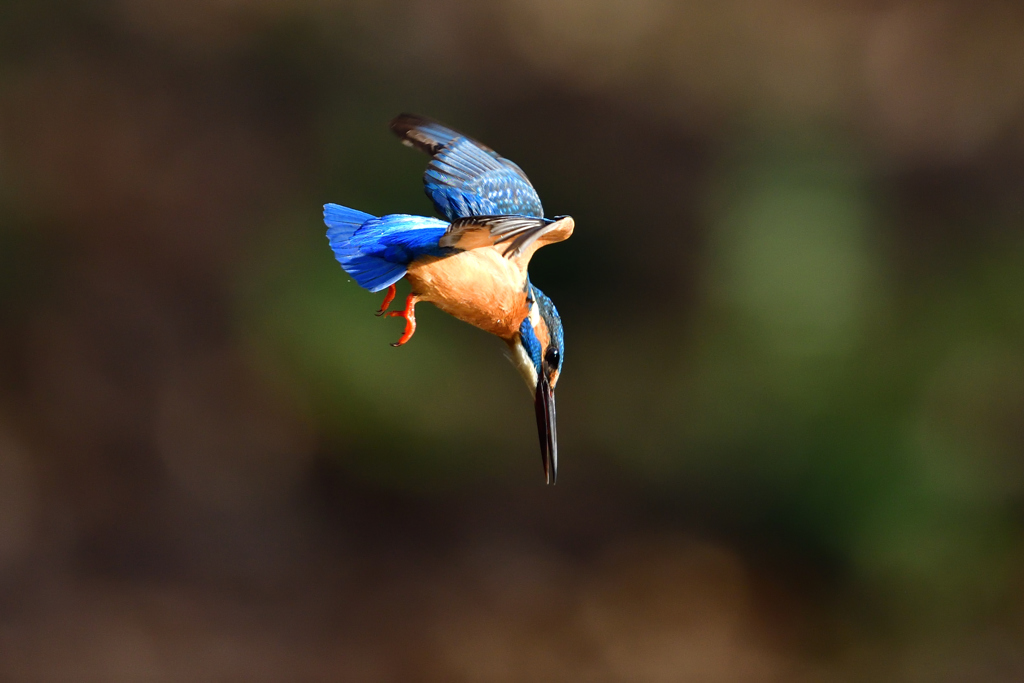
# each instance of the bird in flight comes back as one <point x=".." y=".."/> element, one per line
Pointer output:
<point x="473" y="263"/>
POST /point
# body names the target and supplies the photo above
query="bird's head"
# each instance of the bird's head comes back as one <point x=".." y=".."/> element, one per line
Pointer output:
<point x="537" y="353"/>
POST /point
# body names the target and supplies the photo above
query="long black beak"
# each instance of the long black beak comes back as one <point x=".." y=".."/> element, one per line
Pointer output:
<point x="544" y="403"/>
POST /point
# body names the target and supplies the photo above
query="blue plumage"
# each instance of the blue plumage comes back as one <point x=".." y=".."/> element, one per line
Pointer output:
<point x="530" y="342"/>
<point x="495" y="221"/>
<point x="550" y="316"/>
<point x="377" y="251"/>
<point x="464" y="180"/>
<point x="465" y="177"/>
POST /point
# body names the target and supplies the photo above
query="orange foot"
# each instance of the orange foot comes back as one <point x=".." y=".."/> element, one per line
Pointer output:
<point x="388" y="298"/>
<point x="410" y="319"/>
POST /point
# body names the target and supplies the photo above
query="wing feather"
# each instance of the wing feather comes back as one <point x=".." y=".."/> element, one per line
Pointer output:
<point x="520" y="233"/>
<point x="464" y="177"/>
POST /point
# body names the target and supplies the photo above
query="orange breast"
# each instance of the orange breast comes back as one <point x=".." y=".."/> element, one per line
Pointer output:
<point x="479" y="286"/>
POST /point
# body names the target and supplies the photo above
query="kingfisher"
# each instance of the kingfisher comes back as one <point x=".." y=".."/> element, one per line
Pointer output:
<point x="472" y="264"/>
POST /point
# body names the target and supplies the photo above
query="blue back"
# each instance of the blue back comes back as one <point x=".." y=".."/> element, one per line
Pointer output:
<point x="376" y="252"/>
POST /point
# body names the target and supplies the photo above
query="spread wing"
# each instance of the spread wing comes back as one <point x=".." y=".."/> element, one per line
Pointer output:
<point x="466" y="178"/>
<point x="522" y="235"/>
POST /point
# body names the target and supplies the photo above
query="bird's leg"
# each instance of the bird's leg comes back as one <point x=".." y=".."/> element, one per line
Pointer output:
<point x="410" y="319"/>
<point x="388" y="298"/>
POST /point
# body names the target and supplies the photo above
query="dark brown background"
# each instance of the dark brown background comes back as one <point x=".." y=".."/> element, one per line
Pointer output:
<point x="792" y="412"/>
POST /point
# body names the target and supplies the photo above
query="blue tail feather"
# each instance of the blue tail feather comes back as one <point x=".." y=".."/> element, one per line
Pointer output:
<point x="377" y="251"/>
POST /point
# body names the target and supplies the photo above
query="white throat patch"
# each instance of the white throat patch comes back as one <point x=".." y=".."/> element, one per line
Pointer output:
<point x="524" y="364"/>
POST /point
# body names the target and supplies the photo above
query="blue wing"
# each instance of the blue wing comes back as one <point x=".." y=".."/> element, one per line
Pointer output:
<point x="377" y="251"/>
<point x="466" y="178"/>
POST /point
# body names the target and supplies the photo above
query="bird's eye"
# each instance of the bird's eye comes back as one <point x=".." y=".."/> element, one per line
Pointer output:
<point x="552" y="357"/>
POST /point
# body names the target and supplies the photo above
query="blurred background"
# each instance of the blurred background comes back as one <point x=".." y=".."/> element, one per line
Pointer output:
<point x="792" y="412"/>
